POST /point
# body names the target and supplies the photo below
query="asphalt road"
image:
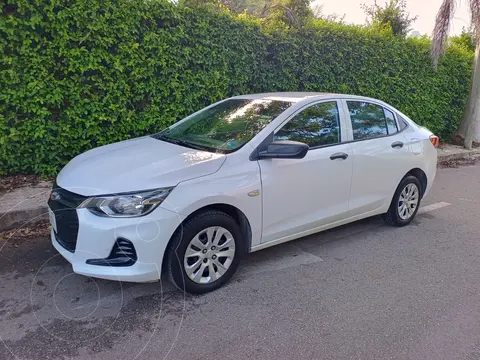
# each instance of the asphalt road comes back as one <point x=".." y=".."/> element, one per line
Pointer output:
<point x="362" y="291"/>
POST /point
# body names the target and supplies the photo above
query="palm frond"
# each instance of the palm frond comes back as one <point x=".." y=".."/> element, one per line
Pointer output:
<point x="440" y="31"/>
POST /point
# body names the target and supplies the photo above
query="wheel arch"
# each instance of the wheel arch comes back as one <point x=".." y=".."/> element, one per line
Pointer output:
<point x="228" y="209"/>
<point x="421" y="176"/>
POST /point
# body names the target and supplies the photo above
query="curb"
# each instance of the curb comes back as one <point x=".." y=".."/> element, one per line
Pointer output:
<point x="15" y="219"/>
<point x="465" y="155"/>
<point x="24" y="206"/>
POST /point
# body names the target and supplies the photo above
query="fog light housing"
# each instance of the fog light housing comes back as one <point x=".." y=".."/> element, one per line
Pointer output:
<point x="122" y="254"/>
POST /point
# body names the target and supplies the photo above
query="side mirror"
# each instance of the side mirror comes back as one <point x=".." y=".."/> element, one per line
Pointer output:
<point x="284" y="150"/>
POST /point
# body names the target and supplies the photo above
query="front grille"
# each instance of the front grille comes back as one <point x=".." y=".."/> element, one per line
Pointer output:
<point x="63" y="204"/>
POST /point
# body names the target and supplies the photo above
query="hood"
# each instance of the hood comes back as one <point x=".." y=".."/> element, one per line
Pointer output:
<point x="134" y="165"/>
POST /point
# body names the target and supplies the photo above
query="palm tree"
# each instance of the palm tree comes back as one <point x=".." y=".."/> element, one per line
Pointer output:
<point x="465" y="133"/>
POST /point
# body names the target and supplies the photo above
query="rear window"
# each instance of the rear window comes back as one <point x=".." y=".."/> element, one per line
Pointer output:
<point x="391" y="123"/>
<point x="402" y="123"/>
<point x="368" y="120"/>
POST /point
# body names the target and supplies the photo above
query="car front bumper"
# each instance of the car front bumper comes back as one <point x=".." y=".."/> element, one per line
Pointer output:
<point x="97" y="237"/>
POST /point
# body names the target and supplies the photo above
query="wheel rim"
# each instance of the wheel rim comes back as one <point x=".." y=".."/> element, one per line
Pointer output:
<point x="408" y="201"/>
<point x="209" y="255"/>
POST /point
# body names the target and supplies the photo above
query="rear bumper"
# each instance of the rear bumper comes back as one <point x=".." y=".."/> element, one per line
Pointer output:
<point x="97" y="236"/>
<point x="430" y="168"/>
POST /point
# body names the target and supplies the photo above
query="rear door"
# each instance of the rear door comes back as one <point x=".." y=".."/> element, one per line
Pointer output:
<point x="302" y="194"/>
<point x="381" y="157"/>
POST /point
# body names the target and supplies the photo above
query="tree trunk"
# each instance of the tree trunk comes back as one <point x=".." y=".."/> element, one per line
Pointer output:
<point x="465" y="133"/>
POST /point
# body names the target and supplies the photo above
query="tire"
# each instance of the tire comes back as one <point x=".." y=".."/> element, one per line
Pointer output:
<point x="394" y="216"/>
<point x="181" y="268"/>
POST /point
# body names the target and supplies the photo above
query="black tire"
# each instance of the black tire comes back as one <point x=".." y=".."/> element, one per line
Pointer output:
<point x="392" y="216"/>
<point x="178" y="245"/>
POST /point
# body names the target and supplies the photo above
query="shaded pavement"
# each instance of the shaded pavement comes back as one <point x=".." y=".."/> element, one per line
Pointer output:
<point x="362" y="291"/>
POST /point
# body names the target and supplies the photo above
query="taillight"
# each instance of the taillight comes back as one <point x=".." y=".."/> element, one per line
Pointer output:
<point x="435" y="140"/>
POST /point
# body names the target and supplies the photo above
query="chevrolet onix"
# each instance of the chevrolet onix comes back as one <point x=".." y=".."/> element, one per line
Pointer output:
<point x="240" y="175"/>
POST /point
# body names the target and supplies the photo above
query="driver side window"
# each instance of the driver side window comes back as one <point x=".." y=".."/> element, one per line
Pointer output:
<point x="318" y="125"/>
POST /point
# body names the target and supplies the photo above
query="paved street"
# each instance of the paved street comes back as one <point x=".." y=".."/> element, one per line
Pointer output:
<point x="363" y="291"/>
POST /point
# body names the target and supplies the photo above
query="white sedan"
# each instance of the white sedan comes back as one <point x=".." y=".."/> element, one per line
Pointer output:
<point x="240" y="175"/>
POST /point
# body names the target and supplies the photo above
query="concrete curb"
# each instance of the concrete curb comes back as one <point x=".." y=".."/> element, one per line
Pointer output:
<point x="16" y="219"/>
<point x="24" y="206"/>
<point x="27" y="206"/>
<point x="460" y="155"/>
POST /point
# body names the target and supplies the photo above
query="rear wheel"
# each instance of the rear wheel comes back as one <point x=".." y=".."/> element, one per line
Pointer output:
<point x="205" y="252"/>
<point x="405" y="202"/>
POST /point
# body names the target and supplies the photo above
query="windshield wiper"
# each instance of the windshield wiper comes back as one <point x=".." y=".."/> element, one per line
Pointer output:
<point x="180" y="142"/>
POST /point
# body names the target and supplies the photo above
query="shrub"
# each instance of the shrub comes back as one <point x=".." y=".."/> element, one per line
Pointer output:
<point x="79" y="74"/>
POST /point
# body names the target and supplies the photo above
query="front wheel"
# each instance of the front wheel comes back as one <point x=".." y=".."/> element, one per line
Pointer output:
<point x="205" y="252"/>
<point x="405" y="202"/>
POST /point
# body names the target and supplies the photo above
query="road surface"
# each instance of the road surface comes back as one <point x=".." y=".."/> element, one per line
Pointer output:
<point x="362" y="291"/>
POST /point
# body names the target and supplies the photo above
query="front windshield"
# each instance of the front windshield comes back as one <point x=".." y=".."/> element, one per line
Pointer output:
<point x="226" y="126"/>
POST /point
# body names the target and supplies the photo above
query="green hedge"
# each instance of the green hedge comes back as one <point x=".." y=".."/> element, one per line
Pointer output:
<point x="79" y="74"/>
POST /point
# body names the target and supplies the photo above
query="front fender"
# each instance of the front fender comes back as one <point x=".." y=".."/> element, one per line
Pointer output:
<point x="236" y="184"/>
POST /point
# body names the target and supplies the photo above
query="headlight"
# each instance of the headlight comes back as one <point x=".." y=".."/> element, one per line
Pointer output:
<point x="126" y="205"/>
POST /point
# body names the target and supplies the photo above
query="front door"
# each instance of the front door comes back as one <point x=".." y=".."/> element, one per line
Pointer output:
<point x="303" y="194"/>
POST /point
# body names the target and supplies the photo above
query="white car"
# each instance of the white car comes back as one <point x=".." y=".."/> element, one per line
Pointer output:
<point x="241" y="175"/>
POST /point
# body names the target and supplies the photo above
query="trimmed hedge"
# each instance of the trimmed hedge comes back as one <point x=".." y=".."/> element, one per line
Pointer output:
<point x="79" y="74"/>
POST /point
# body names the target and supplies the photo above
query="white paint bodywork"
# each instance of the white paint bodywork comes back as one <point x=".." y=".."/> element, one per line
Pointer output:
<point x="136" y="165"/>
<point x="281" y="199"/>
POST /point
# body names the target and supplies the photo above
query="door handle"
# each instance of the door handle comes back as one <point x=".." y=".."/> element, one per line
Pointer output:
<point x="339" y="155"/>
<point x="397" y="145"/>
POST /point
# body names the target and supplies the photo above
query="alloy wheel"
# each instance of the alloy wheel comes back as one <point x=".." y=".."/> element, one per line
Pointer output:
<point x="209" y="255"/>
<point x="408" y="201"/>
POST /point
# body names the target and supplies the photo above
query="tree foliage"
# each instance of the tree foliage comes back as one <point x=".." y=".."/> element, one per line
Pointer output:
<point x="80" y="74"/>
<point x="318" y="13"/>
<point x="292" y="13"/>
<point x="252" y="7"/>
<point x="393" y="15"/>
<point x="466" y="40"/>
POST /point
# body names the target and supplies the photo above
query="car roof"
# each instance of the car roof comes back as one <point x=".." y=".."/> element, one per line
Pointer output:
<point x="299" y="96"/>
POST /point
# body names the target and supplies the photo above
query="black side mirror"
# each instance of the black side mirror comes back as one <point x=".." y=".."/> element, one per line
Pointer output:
<point x="284" y="150"/>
